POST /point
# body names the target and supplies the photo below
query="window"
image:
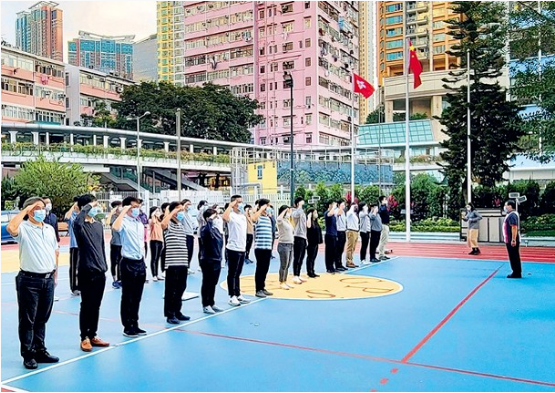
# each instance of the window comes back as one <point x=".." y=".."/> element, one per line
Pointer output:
<point x="271" y="86"/>
<point x="439" y="37"/>
<point x="308" y="101"/>
<point x="308" y="119"/>
<point x="307" y="23"/>
<point x="287" y="46"/>
<point x="308" y="138"/>
<point x="300" y="44"/>
<point x="262" y="105"/>
<point x="439" y="24"/>
<point x="287" y="103"/>
<point x="439" y="49"/>
<point x="286" y="139"/>
<point x="287" y="27"/>
<point x="307" y="5"/>
<point x="261" y="32"/>
<point x="261" y="14"/>
<point x="308" y="81"/>
<point x="259" y="171"/>
<point x="262" y="69"/>
<point x="288" y="65"/>
<point x="263" y="140"/>
<point x="262" y="51"/>
<point x="286" y="8"/>
<point x="274" y="67"/>
<point x="307" y="43"/>
<point x="394" y="44"/>
<point x="393" y="20"/>
<point x="394" y="7"/>
<point x="394" y="56"/>
<point x="263" y="87"/>
<point x="394" y="32"/>
<point x="307" y="62"/>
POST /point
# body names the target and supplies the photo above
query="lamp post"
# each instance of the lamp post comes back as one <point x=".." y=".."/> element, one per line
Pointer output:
<point x="178" y="134"/>
<point x="288" y="80"/>
<point x="138" y="118"/>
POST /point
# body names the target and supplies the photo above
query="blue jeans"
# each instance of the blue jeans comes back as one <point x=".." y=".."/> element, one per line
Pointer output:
<point x="35" y="297"/>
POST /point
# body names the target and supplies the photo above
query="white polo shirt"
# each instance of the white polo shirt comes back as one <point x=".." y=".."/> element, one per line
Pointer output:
<point x="37" y="247"/>
<point x="237" y="227"/>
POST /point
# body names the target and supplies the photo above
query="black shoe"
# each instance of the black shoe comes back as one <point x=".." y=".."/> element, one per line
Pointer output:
<point x="514" y="275"/>
<point x="478" y="251"/>
<point x="140" y="332"/>
<point x="473" y="252"/>
<point x="314" y="275"/>
<point x="332" y="271"/>
<point x="384" y="258"/>
<point x="173" y="321"/>
<point x="374" y="260"/>
<point x="30" y="364"/>
<point x="182" y="317"/>
<point x="45" y="357"/>
<point x="130" y="333"/>
<point x="341" y="269"/>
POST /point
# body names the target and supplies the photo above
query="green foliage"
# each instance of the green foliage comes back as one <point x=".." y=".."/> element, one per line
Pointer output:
<point x="208" y="112"/>
<point x="9" y="191"/>
<point x="544" y="222"/>
<point x="427" y="225"/>
<point x="531" y="189"/>
<point x="489" y="197"/>
<point x="427" y="196"/>
<point x="102" y="116"/>
<point x="378" y="116"/>
<point x="59" y="181"/>
<point x="368" y="194"/>
<point x="547" y="201"/>
<point x="495" y="126"/>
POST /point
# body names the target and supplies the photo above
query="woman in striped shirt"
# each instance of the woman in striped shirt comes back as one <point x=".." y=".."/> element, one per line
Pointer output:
<point x="176" y="262"/>
<point x="262" y="247"/>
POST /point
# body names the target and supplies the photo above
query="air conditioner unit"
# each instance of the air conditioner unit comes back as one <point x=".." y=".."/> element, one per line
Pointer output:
<point x="199" y="7"/>
<point x="102" y="80"/>
<point x="119" y="89"/>
<point x="188" y="11"/>
<point x="89" y="76"/>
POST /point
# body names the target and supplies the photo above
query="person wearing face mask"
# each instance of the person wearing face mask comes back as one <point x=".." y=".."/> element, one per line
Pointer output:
<point x="70" y="216"/>
<point x="383" y="211"/>
<point x="271" y="213"/>
<point x="133" y="268"/>
<point x="250" y="233"/>
<point x="299" y="247"/>
<point x="176" y="262"/>
<point x="201" y="207"/>
<point x="375" y="232"/>
<point x="341" y="225"/>
<point x="163" y="256"/>
<point x="314" y="239"/>
<point x="511" y="236"/>
<point x="262" y="247"/>
<point x="285" y="244"/>
<point x="210" y="261"/>
<point x="35" y="282"/>
<point x="364" y="218"/>
<point x="189" y="228"/>
<point x="352" y="234"/>
<point x="51" y="218"/>
<point x="89" y="234"/>
<point x="331" y="236"/>
<point x="115" y="246"/>
<point x="473" y="218"/>
<point x="234" y="215"/>
<point x="156" y="242"/>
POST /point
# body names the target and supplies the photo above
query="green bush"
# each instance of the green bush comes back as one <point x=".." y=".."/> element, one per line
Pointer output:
<point x="427" y="225"/>
<point x="544" y="222"/>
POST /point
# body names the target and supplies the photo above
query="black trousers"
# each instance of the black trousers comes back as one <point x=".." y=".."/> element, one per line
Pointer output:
<point x="236" y="259"/>
<point x="92" y="291"/>
<point x="311" y="254"/>
<point x="156" y="248"/>
<point x="263" y="258"/>
<point x="176" y="283"/>
<point x="190" y="249"/>
<point x="133" y="276"/>
<point x="365" y="239"/>
<point x="35" y="297"/>
<point x="250" y="239"/>
<point x="73" y="268"/>
<point x="331" y="244"/>
<point x="514" y="258"/>
<point x="341" y="240"/>
<point x="115" y="258"/>
<point x="374" y="242"/>
<point x="226" y="238"/>
<point x="210" y="277"/>
<point x="163" y="259"/>
<point x="299" y="252"/>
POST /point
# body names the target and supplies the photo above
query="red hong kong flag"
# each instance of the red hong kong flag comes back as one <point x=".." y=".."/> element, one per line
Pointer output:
<point x="363" y="87"/>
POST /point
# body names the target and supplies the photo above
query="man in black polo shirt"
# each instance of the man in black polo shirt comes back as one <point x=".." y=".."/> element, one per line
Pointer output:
<point x="89" y="234"/>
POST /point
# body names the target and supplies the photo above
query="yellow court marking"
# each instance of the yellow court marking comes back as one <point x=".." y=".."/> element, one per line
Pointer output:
<point x="325" y="287"/>
<point x="10" y="260"/>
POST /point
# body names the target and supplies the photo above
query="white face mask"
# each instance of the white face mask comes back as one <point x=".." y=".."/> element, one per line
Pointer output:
<point x="48" y="207"/>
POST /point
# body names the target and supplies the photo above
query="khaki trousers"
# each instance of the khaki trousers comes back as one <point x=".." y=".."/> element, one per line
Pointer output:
<point x="473" y="238"/>
<point x="384" y="238"/>
<point x="352" y="239"/>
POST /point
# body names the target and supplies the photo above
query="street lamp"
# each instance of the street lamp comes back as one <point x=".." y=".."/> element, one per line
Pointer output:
<point x="288" y="82"/>
<point x="178" y="134"/>
<point x="138" y="118"/>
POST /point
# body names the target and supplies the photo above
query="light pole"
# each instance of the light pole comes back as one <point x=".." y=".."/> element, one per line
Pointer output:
<point x="288" y="80"/>
<point x="178" y="134"/>
<point x="138" y="118"/>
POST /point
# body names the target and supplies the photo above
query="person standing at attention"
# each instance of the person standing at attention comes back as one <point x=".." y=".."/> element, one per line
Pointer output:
<point x="115" y="246"/>
<point x="133" y="268"/>
<point x="70" y="216"/>
<point x="383" y="211"/>
<point x="341" y="226"/>
<point x="364" y="231"/>
<point x="473" y="218"/>
<point x="188" y="225"/>
<point x="299" y="246"/>
<point x="511" y="235"/>
<point x="250" y="233"/>
<point x="236" y="221"/>
<point x="36" y="280"/>
<point x="331" y="236"/>
<point x="89" y="234"/>
<point x="375" y="232"/>
<point x="352" y="234"/>
<point x="176" y="262"/>
<point x="262" y="247"/>
<point x="314" y="239"/>
<point x="285" y="244"/>
<point x="210" y="261"/>
<point x="156" y="242"/>
<point x="201" y="207"/>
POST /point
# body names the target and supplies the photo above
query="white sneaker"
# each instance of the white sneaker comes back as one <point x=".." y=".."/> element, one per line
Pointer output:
<point x="154" y="278"/>
<point x="216" y="308"/>
<point x="208" y="310"/>
<point x="233" y="301"/>
<point x="297" y="280"/>
<point x="285" y="286"/>
<point x="363" y="262"/>
<point x="302" y="279"/>
<point x="242" y="300"/>
<point x="160" y="278"/>
<point x="163" y="275"/>
<point x="290" y="286"/>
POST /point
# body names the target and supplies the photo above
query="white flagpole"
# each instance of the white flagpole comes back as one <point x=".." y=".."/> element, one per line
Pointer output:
<point x="407" y="144"/>
<point x="353" y="142"/>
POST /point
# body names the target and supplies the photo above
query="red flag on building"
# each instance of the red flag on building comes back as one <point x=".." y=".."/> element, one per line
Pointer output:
<point x="414" y="65"/>
<point x="363" y="87"/>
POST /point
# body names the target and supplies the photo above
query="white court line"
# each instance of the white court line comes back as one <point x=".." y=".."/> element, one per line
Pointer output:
<point x="369" y="265"/>
<point x="128" y="342"/>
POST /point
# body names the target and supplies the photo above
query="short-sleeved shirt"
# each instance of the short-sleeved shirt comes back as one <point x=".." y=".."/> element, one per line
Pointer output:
<point x="132" y="232"/>
<point x="352" y="221"/>
<point x="341" y="223"/>
<point x="511" y="219"/>
<point x="116" y="237"/>
<point x="37" y="247"/>
<point x="176" y="245"/>
<point x="299" y="220"/>
<point x="263" y="233"/>
<point x="237" y="227"/>
<point x="188" y="224"/>
<point x="364" y="221"/>
<point x="72" y="240"/>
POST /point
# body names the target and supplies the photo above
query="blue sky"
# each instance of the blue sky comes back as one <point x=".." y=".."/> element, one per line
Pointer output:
<point x="100" y="17"/>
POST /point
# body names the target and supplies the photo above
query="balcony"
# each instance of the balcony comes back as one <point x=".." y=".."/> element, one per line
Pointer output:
<point x="419" y="21"/>
<point x="419" y="32"/>
<point x="417" y="6"/>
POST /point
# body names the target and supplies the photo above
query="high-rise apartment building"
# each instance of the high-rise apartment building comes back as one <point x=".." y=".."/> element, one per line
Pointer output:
<point x="145" y="59"/>
<point x="110" y="54"/>
<point x="39" y="30"/>
<point x="249" y="46"/>
<point x="368" y="49"/>
<point x="170" y="22"/>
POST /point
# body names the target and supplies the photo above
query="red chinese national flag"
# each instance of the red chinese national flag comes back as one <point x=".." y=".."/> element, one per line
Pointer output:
<point x="363" y="87"/>
<point x="414" y="65"/>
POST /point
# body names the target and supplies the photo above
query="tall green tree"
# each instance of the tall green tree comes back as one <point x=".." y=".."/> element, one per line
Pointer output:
<point x="9" y="191"/>
<point x="208" y="112"/>
<point x="480" y="27"/>
<point x="532" y="33"/>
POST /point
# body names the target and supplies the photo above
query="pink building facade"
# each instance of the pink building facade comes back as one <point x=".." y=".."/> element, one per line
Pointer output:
<point x="248" y="46"/>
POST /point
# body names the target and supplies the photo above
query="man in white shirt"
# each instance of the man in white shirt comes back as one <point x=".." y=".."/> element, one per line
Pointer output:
<point x="236" y="247"/>
<point x="352" y="234"/>
<point x="35" y="282"/>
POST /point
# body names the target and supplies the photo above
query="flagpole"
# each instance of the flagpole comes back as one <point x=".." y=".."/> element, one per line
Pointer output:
<point x="407" y="144"/>
<point x="353" y="142"/>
